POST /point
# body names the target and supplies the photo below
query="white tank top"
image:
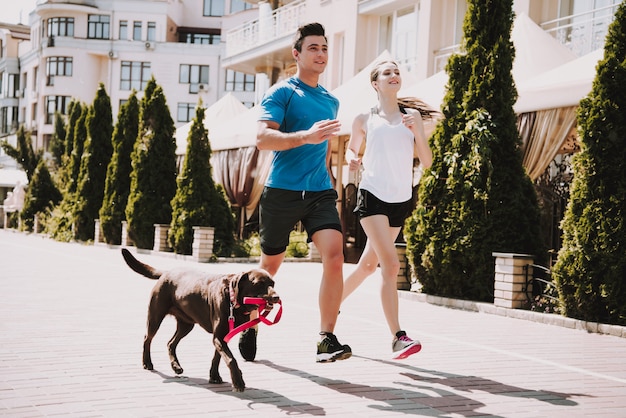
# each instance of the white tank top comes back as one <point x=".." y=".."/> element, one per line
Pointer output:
<point x="388" y="160"/>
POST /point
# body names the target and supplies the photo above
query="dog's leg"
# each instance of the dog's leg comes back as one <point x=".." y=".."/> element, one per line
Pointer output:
<point x="182" y="329"/>
<point x="214" y="374"/>
<point x="155" y="317"/>
<point x="222" y="350"/>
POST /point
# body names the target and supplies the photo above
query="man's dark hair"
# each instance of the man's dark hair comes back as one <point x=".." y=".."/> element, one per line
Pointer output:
<point x="310" y="29"/>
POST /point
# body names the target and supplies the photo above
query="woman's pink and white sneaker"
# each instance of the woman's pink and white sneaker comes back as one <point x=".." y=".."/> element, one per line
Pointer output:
<point x="404" y="346"/>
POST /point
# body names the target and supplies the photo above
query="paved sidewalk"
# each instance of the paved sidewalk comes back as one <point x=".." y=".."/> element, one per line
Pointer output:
<point x="73" y="319"/>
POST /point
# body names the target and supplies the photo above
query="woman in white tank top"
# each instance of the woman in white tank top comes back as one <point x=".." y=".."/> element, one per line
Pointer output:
<point x="391" y="132"/>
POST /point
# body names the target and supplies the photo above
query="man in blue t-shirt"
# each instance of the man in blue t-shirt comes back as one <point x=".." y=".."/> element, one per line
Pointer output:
<point x="298" y="117"/>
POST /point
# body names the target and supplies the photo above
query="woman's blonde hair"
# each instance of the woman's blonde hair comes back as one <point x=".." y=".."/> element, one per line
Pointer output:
<point x="405" y="102"/>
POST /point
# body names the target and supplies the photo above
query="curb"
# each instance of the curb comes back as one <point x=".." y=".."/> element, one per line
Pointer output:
<point x="544" y="318"/>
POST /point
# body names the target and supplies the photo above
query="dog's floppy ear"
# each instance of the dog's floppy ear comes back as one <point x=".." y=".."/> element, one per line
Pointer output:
<point x="240" y="283"/>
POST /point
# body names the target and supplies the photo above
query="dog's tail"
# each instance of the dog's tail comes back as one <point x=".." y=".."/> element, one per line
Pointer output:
<point x="139" y="267"/>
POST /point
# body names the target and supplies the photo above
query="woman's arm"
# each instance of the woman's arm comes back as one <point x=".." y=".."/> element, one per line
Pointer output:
<point x="413" y="121"/>
<point x="356" y="139"/>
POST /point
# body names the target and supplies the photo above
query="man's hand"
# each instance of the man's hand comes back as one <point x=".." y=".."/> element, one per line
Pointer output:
<point x="322" y="130"/>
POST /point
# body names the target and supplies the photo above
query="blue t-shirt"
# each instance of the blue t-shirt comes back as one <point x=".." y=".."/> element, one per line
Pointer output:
<point x="296" y="106"/>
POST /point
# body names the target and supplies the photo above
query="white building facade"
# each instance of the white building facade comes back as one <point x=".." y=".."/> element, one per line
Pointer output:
<point x="199" y="50"/>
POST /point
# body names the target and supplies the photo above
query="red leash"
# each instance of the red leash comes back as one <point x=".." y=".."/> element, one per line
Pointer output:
<point x="262" y="303"/>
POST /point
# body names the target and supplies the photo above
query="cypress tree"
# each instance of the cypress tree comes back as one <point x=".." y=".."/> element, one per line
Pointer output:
<point x="57" y="143"/>
<point x="94" y="161"/>
<point x="62" y="219"/>
<point x="74" y="110"/>
<point x="476" y="199"/>
<point x="117" y="185"/>
<point x="23" y="152"/>
<point x="153" y="177"/>
<point x="590" y="271"/>
<point x="42" y="194"/>
<point x="78" y="144"/>
<point x="197" y="200"/>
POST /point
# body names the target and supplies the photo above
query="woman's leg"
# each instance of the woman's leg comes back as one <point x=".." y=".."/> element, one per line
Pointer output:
<point x="382" y="239"/>
<point x="368" y="262"/>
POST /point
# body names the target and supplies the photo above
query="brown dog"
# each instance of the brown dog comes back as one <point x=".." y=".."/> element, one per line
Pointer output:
<point x="195" y="297"/>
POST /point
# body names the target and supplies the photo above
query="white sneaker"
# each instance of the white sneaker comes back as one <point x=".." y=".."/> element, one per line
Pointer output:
<point x="404" y="346"/>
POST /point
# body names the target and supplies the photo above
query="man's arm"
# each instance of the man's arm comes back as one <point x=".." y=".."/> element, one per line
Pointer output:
<point x="270" y="138"/>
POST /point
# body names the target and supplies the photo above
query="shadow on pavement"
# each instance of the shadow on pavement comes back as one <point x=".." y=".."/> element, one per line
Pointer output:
<point x="253" y="395"/>
<point x="430" y="401"/>
<point x="429" y="396"/>
<point x="476" y="383"/>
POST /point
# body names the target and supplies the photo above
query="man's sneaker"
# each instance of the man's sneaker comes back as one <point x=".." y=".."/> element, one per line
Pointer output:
<point x="403" y="347"/>
<point x="247" y="344"/>
<point x="329" y="349"/>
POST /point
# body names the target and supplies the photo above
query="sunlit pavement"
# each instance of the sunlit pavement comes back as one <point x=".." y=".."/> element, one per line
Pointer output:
<point x="73" y="319"/>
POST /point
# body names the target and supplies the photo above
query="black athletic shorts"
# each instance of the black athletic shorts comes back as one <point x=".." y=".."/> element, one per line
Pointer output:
<point x="280" y="210"/>
<point x="367" y="205"/>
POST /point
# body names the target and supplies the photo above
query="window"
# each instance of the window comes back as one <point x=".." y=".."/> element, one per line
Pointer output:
<point x="56" y="104"/>
<point x="135" y="75"/>
<point x="197" y="76"/>
<point x="59" y="66"/>
<point x="123" y="29"/>
<point x="460" y="12"/>
<point x="151" y="31"/>
<point x="199" y="38"/>
<point x="35" y="77"/>
<point x="8" y="119"/>
<point x="239" y="6"/>
<point x="98" y="27"/>
<point x="61" y="26"/>
<point x="236" y="81"/>
<point x="186" y="112"/>
<point x="213" y="8"/>
<point x="33" y="114"/>
<point x="136" y="31"/>
<point x="13" y="85"/>
<point x="398" y="34"/>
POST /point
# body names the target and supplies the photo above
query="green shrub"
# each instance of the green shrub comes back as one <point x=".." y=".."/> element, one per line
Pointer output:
<point x="590" y="271"/>
<point x="298" y="247"/>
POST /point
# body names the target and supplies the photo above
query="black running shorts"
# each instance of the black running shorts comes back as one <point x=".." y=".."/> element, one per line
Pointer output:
<point x="280" y="210"/>
<point x="367" y="205"/>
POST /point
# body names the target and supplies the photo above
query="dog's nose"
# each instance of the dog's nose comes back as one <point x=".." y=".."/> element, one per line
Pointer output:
<point x="273" y="299"/>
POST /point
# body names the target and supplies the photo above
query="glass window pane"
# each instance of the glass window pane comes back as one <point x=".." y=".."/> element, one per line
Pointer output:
<point x="184" y="74"/>
<point x="204" y="74"/>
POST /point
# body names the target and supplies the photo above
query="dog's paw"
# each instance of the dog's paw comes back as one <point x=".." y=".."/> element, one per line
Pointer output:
<point x="216" y="379"/>
<point x="176" y="367"/>
<point x="148" y="366"/>
<point x="238" y="385"/>
<point x="238" y="389"/>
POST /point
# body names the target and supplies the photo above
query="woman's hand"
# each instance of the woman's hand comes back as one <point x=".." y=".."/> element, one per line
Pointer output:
<point x="354" y="162"/>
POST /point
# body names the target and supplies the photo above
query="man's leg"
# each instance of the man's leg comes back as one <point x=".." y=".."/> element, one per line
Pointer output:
<point x="271" y="263"/>
<point x="329" y="243"/>
<point x="247" y="340"/>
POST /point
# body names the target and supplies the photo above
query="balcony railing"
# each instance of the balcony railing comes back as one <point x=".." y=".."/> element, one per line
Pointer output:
<point x="581" y="33"/>
<point x="584" y="32"/>
<point x="281" y="22"/>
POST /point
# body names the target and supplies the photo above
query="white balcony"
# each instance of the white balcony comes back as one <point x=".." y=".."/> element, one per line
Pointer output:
<point x="584" y="32"/>
<point x="581" y="33"/>
<point x="268" y="38"/>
